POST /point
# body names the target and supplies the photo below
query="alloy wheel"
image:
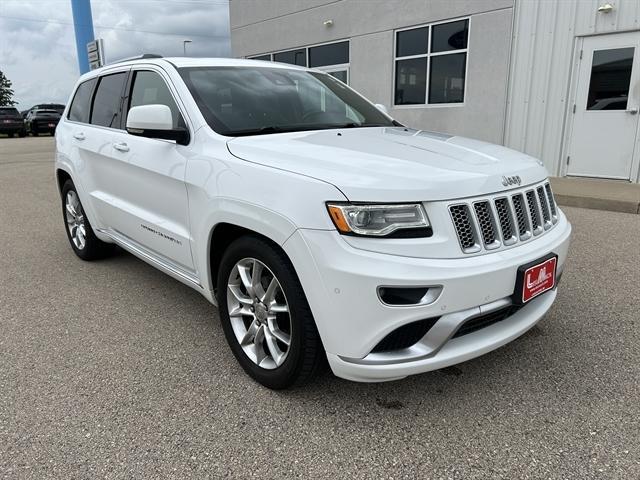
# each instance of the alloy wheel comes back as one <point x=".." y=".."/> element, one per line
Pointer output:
<point x="259" y="313"/>
<point x="75" y="219"/>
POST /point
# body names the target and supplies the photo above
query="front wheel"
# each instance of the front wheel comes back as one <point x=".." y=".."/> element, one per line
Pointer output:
<point x="265" y="315"/>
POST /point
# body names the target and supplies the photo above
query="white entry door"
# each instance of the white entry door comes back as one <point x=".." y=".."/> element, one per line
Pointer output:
<point x="605" y="123"/>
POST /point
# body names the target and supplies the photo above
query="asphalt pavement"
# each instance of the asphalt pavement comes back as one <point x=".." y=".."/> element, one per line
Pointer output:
<point x="112" y="369"/>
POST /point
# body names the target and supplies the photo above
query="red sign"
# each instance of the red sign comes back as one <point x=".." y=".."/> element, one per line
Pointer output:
<point x="538" y="279"/>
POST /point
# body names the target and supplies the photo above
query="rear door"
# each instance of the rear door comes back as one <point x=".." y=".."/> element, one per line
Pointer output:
<point x="99" y="171"/>
<point x="151" y="192"/>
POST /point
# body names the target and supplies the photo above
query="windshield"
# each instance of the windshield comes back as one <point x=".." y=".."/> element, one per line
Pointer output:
<point x="259" y="100"/>
<point x="8" y="111"/>
<point x="46" y="112"/>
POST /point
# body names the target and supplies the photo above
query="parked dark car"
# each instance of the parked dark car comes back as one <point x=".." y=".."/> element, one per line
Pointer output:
<point x="11" y="122"/>
<point x="42" y="121"/>
<point x="58" y="107"/>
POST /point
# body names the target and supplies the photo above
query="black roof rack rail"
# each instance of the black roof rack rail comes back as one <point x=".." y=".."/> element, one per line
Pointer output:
<point x="136" y="57"/>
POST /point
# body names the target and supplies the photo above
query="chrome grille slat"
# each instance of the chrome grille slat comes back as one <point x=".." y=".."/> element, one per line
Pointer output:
<point x="522" y="216"/>
<point x="552" y="203"/>
<point x="501" y="221"/>
<point x="534" y="212"/>
<point x="461" y="216"/>
<point x="544" y="207"/>
<point x="484" y="216"/>
<point x="505" y="219"/>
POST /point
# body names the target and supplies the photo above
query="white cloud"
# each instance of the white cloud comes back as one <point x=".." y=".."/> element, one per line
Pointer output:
<point x="39" y="54"/>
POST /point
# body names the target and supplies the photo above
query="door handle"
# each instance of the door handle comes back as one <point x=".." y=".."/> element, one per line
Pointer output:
<point x="79" y="136"/>
<point x="121" y="147"/>
<point x="632" y="111"/>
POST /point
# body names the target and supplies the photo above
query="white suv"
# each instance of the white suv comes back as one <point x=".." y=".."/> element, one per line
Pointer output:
<point x="321" y="227"/>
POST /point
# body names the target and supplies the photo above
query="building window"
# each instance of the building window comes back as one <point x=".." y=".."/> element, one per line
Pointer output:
<point x="430" y="64"/>
<point x="332" y="58"/>
<point x="293" y="57"/>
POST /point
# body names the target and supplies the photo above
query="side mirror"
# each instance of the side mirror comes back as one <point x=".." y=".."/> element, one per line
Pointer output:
<point x="155" y="121"/>
<point x="382" y="108"/>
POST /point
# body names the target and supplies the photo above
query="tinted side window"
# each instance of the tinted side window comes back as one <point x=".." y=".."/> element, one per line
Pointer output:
<point x="148" y="89"/>
<point x="106" y="103"/>
<point x="81" y="103"/>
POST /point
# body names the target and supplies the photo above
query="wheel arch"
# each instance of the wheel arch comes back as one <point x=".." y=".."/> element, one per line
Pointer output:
<point x="61" y="177"/>
<point x="224" y="234"/>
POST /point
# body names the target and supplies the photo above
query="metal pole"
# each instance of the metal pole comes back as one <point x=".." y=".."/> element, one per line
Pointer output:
<point x="83" y="25"/>
<point x="184" y="46"/>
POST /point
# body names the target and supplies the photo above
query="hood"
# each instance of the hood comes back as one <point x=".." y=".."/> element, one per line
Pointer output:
<point x="396" y="164"/>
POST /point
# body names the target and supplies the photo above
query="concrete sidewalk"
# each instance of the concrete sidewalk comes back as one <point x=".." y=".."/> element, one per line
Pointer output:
<point x="597" y="194"/>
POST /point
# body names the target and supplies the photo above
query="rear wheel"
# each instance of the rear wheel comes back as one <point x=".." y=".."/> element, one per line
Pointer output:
<point x="265" y="315"/>
<point x="79" y="232"/>
<point x="10" y="134"/>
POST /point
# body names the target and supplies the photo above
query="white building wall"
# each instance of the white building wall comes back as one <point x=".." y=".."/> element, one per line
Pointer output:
<point x="259" y="26"/>
<point x="543" y="55"/>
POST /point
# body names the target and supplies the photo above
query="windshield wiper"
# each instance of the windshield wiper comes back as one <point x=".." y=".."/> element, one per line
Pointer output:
<point x="298" y="128"/>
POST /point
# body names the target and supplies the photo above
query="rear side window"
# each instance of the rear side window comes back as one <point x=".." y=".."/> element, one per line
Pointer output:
<point x="150" y="89"/>
<point x="106" y="102"/>
<point x="81" y="103"/>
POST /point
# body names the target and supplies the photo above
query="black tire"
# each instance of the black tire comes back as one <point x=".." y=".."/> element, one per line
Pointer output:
<point x="10" y="134"/>
<point x="34" y="132"/>
<point x="93" y="248"/>
<point x="306" y="353"/>
<point x="22" y="133"/>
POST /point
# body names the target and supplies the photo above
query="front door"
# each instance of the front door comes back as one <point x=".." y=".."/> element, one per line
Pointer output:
<point x="605" y="122"/>
<point x="152" y="204"/>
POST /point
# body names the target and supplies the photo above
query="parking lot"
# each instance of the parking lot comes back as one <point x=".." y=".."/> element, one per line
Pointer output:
<point x="114" y="370"/>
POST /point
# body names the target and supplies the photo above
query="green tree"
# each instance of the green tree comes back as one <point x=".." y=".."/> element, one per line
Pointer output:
<point x="6" y="92"/>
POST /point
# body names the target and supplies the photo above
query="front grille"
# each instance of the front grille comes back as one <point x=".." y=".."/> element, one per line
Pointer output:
<point x="491" y="223"/>
<point x="476" y="323"/>
<point x="405" y="336"/>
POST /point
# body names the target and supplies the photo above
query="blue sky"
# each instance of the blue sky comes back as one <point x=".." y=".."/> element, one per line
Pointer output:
<point x="37" y="44"/>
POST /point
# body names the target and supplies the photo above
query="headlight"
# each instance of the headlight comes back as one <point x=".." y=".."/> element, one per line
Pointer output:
<point x="406" y="220"/>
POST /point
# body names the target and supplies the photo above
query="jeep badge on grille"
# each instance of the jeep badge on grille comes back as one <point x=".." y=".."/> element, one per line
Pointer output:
<point x="512" y="180"/>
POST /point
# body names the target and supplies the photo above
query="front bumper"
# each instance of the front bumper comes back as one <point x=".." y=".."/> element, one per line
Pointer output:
<point x="341" y="284"/>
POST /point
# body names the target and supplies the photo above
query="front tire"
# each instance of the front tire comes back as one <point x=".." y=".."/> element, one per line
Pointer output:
<point x="79" y="232"/>
<point x="265" y="315"/>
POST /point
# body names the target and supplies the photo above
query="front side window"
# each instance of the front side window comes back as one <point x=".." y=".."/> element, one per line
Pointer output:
<point x="150" y="89"/>
<point x="431" y="64"/>
<point x="256" y="100"/>
<point x="107" y="100"/>
<point x="81" y="103"/>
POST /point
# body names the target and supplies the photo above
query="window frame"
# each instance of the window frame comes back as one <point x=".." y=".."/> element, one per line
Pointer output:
<point x="126" y="97"/>
<point x="325" y="68"/>
<point x="67" y="115"/>
<point x="428" y="56"/>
